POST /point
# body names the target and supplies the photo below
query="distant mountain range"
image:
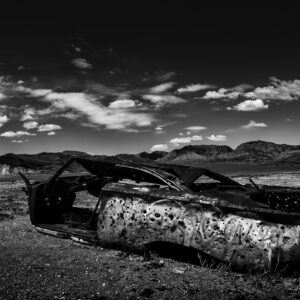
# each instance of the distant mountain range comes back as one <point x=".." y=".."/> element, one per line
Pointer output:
<point x="254" y="152"/>
<point x="249" y="152"/>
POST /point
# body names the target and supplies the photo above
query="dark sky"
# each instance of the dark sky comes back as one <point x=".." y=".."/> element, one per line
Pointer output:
<point x="124" y="78"/>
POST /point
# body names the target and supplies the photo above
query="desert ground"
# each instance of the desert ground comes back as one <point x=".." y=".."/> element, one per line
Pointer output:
<point x="36" y="266"/>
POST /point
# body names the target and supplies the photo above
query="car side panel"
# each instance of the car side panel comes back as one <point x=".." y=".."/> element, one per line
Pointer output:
<point x="132" y="220"/>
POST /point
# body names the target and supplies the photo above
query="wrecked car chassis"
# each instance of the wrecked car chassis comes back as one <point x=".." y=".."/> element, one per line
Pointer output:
<point x="248" y="227"/>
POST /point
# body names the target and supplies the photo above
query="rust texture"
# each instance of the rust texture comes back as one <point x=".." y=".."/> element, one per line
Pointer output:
<point x="242" y="242"/>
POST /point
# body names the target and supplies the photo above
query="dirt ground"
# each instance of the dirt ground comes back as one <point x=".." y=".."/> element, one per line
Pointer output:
<point x="36" y="266"/>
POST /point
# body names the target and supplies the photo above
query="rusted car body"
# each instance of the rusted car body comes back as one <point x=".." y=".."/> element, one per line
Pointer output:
<point x="136" y="205"/>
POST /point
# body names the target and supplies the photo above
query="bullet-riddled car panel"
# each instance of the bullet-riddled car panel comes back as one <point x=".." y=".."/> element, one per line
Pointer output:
<point x="130" y="206"/>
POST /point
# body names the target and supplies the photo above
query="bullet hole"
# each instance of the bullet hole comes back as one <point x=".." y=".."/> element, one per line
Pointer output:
<point x="173" y="229"/>
<point x="182" y="224"/>
<point x="285" y="239"/>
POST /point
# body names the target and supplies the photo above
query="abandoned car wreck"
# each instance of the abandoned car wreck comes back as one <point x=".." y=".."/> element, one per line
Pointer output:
<point x="131" y="206"/>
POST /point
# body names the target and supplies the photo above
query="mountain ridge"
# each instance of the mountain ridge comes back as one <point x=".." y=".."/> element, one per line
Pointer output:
<point x="259" y="152"/>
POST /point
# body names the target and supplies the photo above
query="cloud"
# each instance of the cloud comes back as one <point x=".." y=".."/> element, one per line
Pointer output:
<point x="213" y="95"/>
<point x="126" y="103"/>
<point x="19" y="141"/>
<point x="217" y="138"/>
<point x="253" y="124"/>
<point x="28" y="114"/>
<point x="70" y="116"/>
<point x="160" y="100"/>
<point x="160" y="147"/>
<point x="2" y="96"/>
<point x="222" y="93"/>
<point x="30" y="125"/>
<point x="49" y="127"/>
<point x="191" y="88"/>
<point x="103" y="90"/>
<point x="40" y="92"/>
<point x="250" y="105"/>
<point x="10" y="134"/>
<point x="289" y="120"/>
<point x="185" y="140"/>
<point x="242" y="87"/>
<point x="45" y="111"/>
<point x="165" y="76"/>
<point x="3" y="120"/>
<point x="113" y="117"/>
<point x="159" y="130"/>
<point x="195" y="128"/>
<point x="81" y="63"/>
<point x="97" y="113"/>
<point x="161" y="88"/>
<point x="51" y="133"/>
<point x="278" y="90"/>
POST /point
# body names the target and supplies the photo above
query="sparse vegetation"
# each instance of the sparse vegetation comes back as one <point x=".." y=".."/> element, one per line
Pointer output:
<point x="44" y="267"/>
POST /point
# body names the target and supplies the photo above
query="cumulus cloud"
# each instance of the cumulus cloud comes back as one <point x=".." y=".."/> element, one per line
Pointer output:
<point x="195" y="128"/>
<point x="185" y="140"/>
<point x="81" y="63"/>
<point x="160" y="147"/>
<point x="51" y="133"/>
<point x="214" y="95"/>
<point x="125" y="103"/>
<point x="253" y="124"/>
<point x="10" y="134"/>
<point x="49" y="127"/>
<point x="3" y="120"/>
<point x="30" y="125"/>
<point x="191" y="88"/>
<point x="286" y="90"/>
<point x="222" y="93"/>
<point x="160" y="100"/>
<point x="217" y="138"/>
<point x="28" y="114"/>
<point x="161" y="88"/>
<point x="250" y="105"/>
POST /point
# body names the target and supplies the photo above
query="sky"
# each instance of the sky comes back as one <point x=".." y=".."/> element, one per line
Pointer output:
<point x="132" y="78"/>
